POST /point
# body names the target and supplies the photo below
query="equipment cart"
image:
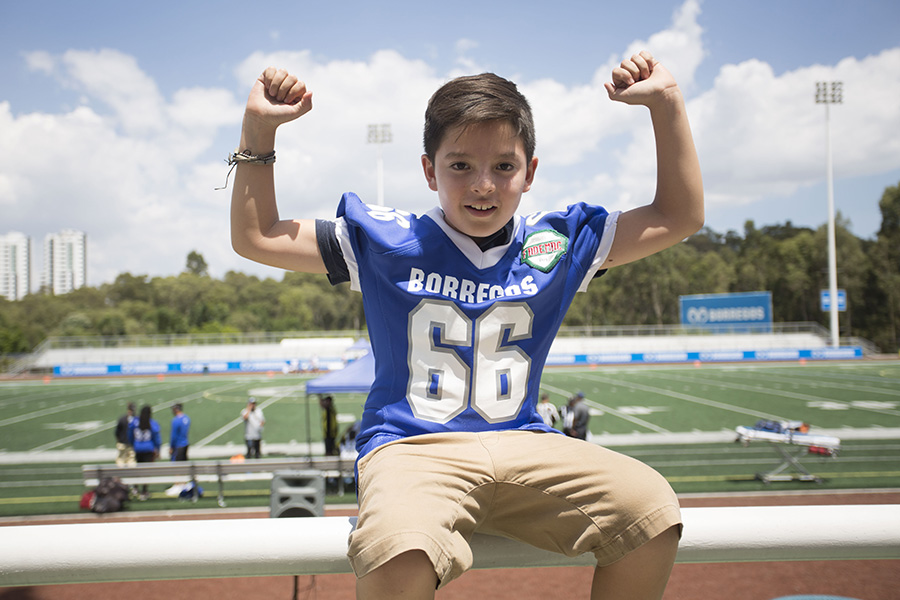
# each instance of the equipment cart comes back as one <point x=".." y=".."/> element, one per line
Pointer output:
<point x="791" y="440"/>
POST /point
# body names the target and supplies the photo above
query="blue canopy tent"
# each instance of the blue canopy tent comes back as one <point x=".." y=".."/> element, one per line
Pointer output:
<point x="356" y="377"/>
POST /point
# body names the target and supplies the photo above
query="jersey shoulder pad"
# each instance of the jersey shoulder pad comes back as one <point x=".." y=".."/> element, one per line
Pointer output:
<point x="384" y="229"/>
<point x="572" y="219"/>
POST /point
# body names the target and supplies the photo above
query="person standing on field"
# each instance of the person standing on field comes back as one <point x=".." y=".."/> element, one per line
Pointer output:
<point x="124" y="449"/>
<point x="329" y="425"/>
<point x="253" y="428"/>
<point x="181" y="426"/>
<point x="144" y="437"/>
<point x="547" y="411"/>
<point x="581" y="416"/>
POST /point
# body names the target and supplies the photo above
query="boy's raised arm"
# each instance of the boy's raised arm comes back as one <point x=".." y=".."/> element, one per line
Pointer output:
<point x="677" y="209"/>
<point x="257" y="232"/>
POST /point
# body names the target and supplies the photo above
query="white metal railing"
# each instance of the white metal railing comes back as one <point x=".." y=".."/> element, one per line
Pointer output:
<point x="103" y="552"/>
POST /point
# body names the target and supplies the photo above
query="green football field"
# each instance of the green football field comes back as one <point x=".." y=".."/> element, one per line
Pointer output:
<point x="679" y="419"/>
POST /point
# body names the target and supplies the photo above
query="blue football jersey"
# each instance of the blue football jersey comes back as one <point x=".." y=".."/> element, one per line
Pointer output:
<point x="460" y="336"/>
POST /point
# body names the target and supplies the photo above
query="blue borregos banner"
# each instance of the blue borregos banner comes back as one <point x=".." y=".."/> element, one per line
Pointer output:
<point x="750" y="311"/>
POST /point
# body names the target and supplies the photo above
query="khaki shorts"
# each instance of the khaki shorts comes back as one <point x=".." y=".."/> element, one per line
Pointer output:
<point x="125" y="456"/>
<point x="432" y="492"/>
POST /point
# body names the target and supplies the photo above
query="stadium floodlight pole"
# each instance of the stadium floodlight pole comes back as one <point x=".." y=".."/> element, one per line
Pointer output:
<point x="827" y="93"/>
<point x="378" y="135"/>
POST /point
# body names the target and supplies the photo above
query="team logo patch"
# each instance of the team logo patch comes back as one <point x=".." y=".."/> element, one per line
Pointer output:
<point x="543" y="249"/>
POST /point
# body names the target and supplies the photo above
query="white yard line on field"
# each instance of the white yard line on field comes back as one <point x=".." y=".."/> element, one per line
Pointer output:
<point x="686" y="397"/>
<point x="105" y="426"/>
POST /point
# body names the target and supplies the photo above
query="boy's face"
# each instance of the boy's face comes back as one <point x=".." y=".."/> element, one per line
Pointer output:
<point x="480" y="173"/>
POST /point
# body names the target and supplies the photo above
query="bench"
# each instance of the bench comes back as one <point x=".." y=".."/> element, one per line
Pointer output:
<point x="218" y="471"/>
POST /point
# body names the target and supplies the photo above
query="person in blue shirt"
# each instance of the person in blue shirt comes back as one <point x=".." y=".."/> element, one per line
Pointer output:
<point x="462" y="304"/>
<point x="144" y="437"/>
<point x="181" y="426"/>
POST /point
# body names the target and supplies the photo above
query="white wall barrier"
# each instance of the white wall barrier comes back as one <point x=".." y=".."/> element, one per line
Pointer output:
<point x="143" y="551"/>
<point x="278" y="365"/>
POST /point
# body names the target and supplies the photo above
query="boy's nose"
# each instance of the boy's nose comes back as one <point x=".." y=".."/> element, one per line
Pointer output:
<point x="483" y="185"/>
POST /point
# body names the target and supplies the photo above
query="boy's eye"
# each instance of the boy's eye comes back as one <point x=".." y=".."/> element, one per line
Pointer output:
<point x="506" y="167"/>
<point x="458" y="166"/>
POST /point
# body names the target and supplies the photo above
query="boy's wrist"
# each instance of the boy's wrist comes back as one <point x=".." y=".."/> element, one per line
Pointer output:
<point x="668" y="99"/>
<point x="257" y="136"/>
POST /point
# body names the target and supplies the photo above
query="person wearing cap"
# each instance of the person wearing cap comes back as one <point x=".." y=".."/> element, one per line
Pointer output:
<point x="580" y="417"/>
<point x="253" y="428"/>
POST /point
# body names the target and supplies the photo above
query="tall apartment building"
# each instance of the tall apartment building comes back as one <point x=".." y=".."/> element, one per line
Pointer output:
<point x="15" y="265"/>
<point x="65" y="261"/>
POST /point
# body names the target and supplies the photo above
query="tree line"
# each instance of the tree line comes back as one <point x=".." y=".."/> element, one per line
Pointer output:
<point x="789" y="261"/>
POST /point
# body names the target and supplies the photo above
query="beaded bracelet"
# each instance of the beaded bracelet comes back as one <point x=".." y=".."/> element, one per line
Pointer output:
<point x="255" y="159"/>
<point x="246" y="158"/>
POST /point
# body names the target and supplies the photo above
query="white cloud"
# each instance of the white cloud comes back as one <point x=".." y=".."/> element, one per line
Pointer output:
<point x="761" y="135"/>
<point x="680" y="46"/>
<point x="133" y="167"/>
<point x="465" y="45"/>
<point x="465" y="64"/>
<point x="582" y="131"/>
<point x="119" y="167"/>
<point x="327" y="148"/>
<point x="866" y="124"/>
<point x="112" y="78"/>
<point x="40" y="61"/>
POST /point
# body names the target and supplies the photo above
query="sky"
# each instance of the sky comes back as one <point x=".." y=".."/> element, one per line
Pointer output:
<point x="115" y="118"/>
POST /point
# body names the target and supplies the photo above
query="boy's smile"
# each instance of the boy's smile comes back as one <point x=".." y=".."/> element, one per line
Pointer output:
<point x="480" y="173"/>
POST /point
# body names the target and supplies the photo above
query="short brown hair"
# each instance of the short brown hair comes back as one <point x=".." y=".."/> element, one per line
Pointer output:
<point x="475" y="99"/>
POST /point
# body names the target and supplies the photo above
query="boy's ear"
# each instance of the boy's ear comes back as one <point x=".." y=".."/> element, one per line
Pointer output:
<point x="529" y="174"/>
<point x="428" y="167"/>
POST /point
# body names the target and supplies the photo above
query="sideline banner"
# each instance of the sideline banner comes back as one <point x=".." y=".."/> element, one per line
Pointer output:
<point x="195" y="368"/>
<point x="728" y="313"/>
<point x="636" y="358"/>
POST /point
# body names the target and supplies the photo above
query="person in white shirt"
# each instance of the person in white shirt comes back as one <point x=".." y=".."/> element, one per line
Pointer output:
<point x="547" y="411"/>
<point x="253" y="427"/>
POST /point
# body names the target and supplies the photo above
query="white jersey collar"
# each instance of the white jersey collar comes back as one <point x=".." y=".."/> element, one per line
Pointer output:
<point x="480" y="259"/>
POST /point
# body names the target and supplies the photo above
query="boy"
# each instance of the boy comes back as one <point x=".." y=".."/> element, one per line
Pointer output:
<point x="462" y="305"/>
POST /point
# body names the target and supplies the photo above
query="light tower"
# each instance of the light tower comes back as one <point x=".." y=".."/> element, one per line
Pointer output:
<point x="379" y="135"/>
<point x="828" y="93"/>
